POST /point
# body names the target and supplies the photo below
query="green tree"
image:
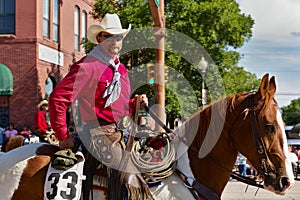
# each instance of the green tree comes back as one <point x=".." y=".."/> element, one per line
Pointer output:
<point x="246" y="81"/>
<point x="291" y="113"/>
<point x="218" y="25"/>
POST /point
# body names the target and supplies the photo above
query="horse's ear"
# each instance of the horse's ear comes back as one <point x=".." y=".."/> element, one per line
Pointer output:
<point x="272" y="87"/>
<point x="263" y="88"/>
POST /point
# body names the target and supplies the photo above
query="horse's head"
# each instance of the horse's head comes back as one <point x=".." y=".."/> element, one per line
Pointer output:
<point x="261" y="138"/>
<point x="14" y="142"/>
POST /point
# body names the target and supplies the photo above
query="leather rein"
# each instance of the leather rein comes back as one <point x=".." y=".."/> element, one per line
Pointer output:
<point x="196" y="187"/>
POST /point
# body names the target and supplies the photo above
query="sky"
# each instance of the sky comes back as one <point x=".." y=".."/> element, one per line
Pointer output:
<point x="275" y="45"/>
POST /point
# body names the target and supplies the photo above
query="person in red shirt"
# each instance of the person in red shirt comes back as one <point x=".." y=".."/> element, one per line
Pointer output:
<point x="42" y="126"/>
<point x="25" y="131"/>
<point x="100" y="84"/>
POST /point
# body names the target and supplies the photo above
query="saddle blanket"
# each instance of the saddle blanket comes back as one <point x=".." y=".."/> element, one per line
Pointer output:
<point x="64" y="184"/>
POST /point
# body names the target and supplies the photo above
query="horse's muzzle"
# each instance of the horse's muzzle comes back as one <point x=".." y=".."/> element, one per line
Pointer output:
<point x="280" y="185"/>
<point x="283" y="185"/>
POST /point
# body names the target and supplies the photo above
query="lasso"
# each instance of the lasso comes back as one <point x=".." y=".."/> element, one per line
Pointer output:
<point x="154" y="172"/>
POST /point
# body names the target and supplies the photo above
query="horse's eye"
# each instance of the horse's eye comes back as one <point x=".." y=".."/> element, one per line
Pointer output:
<point x="270" y="128"/>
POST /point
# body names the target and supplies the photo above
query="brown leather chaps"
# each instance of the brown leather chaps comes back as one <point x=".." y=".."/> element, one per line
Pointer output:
<point x="106" y="145"/>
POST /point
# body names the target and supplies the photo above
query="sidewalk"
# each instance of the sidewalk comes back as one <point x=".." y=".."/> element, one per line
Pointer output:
<point x="237" y="191"/>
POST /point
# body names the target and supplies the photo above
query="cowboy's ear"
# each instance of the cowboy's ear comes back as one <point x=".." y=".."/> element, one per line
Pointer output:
<point x="263" y="88"/>
<point x="98" y="38"/>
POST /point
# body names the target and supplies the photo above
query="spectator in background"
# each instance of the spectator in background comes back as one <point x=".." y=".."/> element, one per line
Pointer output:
<point x="1" y="136"/>
<point x="293" y="157"/>
<point x="25" y="131"/>
<point x="11" y="131"/>
<point x="242" y="161"/>
<point x="43" y="127"/>
<point x="296" y="151"/>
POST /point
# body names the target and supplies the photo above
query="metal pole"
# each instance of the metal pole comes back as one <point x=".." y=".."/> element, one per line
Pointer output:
<point x="202" y="66"/>
<point x="204" y="100"/>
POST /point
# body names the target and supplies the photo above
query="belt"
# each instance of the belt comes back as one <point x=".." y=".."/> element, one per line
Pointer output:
<point x="123" y="123"/>
<point x="97" y="123"/>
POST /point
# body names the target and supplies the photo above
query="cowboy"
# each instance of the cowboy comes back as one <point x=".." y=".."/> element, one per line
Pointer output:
<point x="100" y="84"/>
<point x="41" y="122"/>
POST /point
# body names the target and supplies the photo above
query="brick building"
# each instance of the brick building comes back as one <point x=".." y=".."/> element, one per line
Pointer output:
<point x="39" y="41"/>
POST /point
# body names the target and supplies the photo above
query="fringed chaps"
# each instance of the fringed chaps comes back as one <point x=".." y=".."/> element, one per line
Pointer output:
<point x="107" y="146"/>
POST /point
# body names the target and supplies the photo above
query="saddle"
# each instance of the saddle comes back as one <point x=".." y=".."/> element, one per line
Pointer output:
<point x="64" y="160"/>
<point x="47" y="149"/>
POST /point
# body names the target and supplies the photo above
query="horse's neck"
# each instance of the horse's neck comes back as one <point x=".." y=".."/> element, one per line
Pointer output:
<point x="211" y="151"/>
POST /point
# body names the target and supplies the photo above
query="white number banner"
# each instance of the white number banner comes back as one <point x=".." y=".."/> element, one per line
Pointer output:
<point x="64" y="184"/>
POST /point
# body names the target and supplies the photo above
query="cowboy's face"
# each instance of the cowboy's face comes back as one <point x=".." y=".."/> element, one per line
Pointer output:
<point x="110" y="44"/>
<point x="45" y="107"/>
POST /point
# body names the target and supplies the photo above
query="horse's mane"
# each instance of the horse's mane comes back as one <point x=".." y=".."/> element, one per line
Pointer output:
<point x="231" y="103"/>
<point x="214" y="115"/>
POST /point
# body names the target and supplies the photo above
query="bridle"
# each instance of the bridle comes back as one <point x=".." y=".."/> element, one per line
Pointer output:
<point x="263" y="159"/>
<point x="265" y="168"/>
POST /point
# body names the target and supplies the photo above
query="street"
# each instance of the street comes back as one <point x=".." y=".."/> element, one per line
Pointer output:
<point x="236" y="191"/>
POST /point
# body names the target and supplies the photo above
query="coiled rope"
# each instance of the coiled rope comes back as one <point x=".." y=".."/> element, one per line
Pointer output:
<point x="154" y="172"/>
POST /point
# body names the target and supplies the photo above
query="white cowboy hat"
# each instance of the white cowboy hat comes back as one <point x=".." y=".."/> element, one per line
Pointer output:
<point x="110" y="24"/>
<point x="44" y="102"/>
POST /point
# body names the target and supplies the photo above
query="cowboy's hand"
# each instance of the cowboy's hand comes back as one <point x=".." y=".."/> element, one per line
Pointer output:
<point x="67" y="143"/>
<point x="49" y="132"/>
<point x="143" y="100"/>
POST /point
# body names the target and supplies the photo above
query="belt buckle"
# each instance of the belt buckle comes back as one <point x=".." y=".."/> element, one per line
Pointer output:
<point x="125" y="122"/>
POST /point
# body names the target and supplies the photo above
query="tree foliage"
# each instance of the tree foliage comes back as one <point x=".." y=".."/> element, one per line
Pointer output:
<point x="218" y="25"/>
<point x="291" y="113"/>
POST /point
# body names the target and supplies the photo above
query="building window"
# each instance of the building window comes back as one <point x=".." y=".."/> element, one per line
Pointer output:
<point x="83" y="26"/>
<point x="56" y="20"/>
<point x="7" y="16"/>
<point x="46" y="18"/>
<point x="76" y="28"/>
<point x="50" y="84"/>
<point x="4" y="111"/>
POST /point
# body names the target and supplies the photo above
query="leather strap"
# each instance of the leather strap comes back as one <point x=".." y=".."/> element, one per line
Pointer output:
<point x="205" y="191"/>
<point x="265" y="167"/>
<point x="198" y="187"/>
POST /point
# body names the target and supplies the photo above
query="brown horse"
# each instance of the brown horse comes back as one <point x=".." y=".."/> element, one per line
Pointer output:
<point x="253" y="126"/>
<point x="207" y="147"/>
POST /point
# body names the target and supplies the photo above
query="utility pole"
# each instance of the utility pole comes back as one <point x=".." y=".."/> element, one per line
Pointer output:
<point x="157" y="11"/>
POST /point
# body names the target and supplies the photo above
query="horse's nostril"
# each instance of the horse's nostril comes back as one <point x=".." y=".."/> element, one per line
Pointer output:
<point x="284" y="182"/>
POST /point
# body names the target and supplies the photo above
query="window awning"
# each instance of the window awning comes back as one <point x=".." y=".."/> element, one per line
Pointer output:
<point x="6" y="81"/>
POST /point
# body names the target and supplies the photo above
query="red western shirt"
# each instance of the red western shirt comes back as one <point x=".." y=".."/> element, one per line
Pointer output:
<point x="86" y="82"/>
<point x="40" y="121"/>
